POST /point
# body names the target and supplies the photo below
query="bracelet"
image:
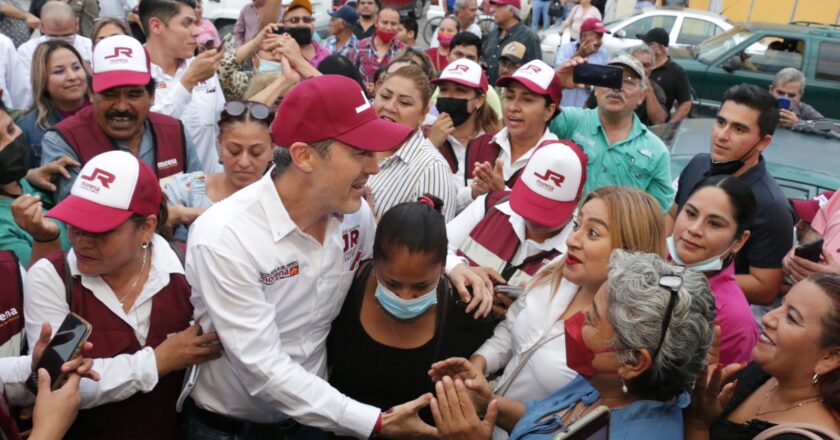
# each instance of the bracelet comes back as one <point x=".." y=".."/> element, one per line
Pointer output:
<point x="57" y="235"/>
<point x="376" y="427"/>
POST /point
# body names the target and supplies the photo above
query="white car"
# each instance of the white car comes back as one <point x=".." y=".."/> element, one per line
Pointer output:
<point x="687" y="27"/>
<point x="224" y="13"/>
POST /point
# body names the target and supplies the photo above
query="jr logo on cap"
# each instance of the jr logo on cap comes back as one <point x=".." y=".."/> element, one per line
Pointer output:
<point x="556" y="178"/>
<point x="120" y="51"/>
<point x="104" y="177"/>
<point x="536" y="69"/>
<point x="459" y="67"/>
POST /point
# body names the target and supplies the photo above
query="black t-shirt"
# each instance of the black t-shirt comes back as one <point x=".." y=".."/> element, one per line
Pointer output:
<point x="771" y="232"/>
<point x="385" y="376"/>
<point x="361" y="33"/>
<point x="674" y="82"/>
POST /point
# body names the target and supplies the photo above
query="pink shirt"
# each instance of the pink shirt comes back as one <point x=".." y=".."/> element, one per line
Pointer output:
<point x="827" y="223"/>
<point x="321" y="52"/>
<point x="738" y="330"/>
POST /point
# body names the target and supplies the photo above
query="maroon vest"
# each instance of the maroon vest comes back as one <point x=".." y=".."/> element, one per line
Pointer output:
<point x="11" y="300"/>
<point x="87" y="140"/>
<point x="492" y="243"/>
<point x="483" y="149"/>
<point x="445" y="150"/>
<point x="149" y="415"/>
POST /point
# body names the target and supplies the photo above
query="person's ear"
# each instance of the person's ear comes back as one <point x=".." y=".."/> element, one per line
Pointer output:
<point x="303" y="157"/>
<point x="739" y="243"/>
<point x="764" y="143"/>
<point x="829" y="362"/>
<point x="549" y="112"/>
<point x="480" y="100"/>
<point x="631" y="371"/>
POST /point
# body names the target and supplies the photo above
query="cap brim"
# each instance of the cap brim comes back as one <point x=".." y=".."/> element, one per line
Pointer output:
<point x="530" y="85"/>
<point x="456" y="81"/>
<point x="118" y="78"/>
<point x="88" y="216"/>
<point x="516" y="60"/>
<point x="538" y="209"/>
<point x="376" y="135"/>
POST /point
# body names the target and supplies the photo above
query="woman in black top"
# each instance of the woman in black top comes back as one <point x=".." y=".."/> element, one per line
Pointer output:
<point x="795" y="376"/>
<point x="401" y="313"/>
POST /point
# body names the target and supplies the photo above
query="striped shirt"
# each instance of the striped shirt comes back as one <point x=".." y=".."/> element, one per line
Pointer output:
<point x="416" y="168"/>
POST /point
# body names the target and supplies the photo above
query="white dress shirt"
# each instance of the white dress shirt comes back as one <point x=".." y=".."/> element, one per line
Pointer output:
<point x="199" y="110"/>
<point x="14" y="372"/>
<point x="26" y="51"/>
<point x="508" y="167"/>
<point x="271" y="292"/>
<point x="534" y="315"/>
<point x="461" y="226"/>
<point x="416" y="168"/>
<point x="14" y="90"/>
<point x="123" y="375"/>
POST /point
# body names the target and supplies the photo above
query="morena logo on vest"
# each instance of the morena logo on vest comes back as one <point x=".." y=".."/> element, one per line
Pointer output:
<point x="552" y="176"/>
<point x="104" y="177"/>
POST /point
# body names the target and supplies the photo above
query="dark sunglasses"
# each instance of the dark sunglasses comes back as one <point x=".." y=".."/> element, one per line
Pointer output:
<point x="672" y="284"/>
<point x="296" y="20"/>
<point x="236" y="109"/>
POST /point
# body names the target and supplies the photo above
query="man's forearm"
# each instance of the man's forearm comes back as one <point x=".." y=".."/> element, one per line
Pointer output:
<point x="269" y="13"/>
<point x="655" y="112"/>
<point x="13" y="12"/>
<point x="758" y="291"/>
<point x="682" y="111"/>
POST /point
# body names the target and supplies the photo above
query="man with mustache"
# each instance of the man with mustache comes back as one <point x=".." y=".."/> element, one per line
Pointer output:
<point x="591" y="38"/>
<point x="366" y="27"/>
<point x="620" y="149"/>
<point x="120" y="118"/>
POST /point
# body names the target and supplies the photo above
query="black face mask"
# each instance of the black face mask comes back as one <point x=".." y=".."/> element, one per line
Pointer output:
<point x="456" y="108"/>
<point x="729" y="167"/>
<point x="13" y="161"/>
<point x="301" y="34"/>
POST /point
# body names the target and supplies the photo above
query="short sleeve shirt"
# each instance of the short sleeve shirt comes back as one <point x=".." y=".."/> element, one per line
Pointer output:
<point x="492" y="48"/>
<point x="674" y="82"/>
<point x="771" y="232"/>
<point x="827" y="223"/>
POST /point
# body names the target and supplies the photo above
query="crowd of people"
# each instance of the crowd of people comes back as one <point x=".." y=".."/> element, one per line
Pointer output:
<point x="274" y="235"/>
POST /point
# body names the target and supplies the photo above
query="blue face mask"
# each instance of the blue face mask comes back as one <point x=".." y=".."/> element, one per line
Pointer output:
<point x="267" y="66"/>
<point x="713" y="264"/>
<point x="404" y="309"/>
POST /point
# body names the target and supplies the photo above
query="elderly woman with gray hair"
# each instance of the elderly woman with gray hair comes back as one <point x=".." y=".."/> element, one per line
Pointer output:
<point x="650" y="328"/>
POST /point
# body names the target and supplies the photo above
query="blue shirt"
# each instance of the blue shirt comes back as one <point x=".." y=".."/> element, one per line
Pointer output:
<point x="643" y="419"/>
<point x="32" y="133"/>
<point x="53" y="147"/>
<point x="577" y="97"/>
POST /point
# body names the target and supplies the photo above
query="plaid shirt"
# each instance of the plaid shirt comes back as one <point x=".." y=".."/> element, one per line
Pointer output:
<point x="348" y="50"/>
<point x="367" y="60"/>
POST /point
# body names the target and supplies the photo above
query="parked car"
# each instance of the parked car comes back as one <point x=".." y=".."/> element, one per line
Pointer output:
<point x="224" y="13"/>
<point x="754" y="52"/>
<point x="803" y="175"/>
<point x="686" y="26"/>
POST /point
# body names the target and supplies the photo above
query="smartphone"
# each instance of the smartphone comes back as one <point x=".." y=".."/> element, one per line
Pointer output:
<point x="811" y="251"/>
<point x="597" y="75"/>
<point x="65" y="345"/>
<point x="513" y="292"/>
<point x="303" y="35"/>
<point x="593" y="426"/>
<point x="783" y="102"/>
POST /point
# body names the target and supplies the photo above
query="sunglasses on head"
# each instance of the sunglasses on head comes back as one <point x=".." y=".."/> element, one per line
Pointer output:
<point x="258" y="111"/>
<point x="671" y="283"/>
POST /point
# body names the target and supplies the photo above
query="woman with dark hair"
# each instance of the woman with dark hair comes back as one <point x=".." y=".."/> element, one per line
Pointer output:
<point x="125" y="279"/>
<point x="401" y="314"/>
<point x="794" y="377"/>
<point x="708" y="231"/>
<point x="108" y="27"/>
<point x="60" y="88"/>
<point x="340" y="65"/>
<point x="245" y="153"/>
<point x="447" y="28"/>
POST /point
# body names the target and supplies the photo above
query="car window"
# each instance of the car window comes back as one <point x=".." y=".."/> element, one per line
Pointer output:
<point x="696" y="30"/>
<point x="772" y="54"/>
<point x="713" y="48"/>
<point x="828" y="64"/>
<point x="645" y="24"/>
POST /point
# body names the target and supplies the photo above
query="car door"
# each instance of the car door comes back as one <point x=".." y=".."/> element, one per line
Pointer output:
<point x="627" y="35"/>
<point x="694" y="30"/>
<point x="755" y="61"/>
<point x="822" y="89"/>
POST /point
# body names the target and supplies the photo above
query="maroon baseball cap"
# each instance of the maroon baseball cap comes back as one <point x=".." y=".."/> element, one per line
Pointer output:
<point x="549" y="188"/>
<point x="515" y="3"/>
<point x="334" y="107"/>
<point x="111" y="187"/>
<point x="593" y="24"/>
<point x="807" y="209"/>
<point x="537" y="77"/>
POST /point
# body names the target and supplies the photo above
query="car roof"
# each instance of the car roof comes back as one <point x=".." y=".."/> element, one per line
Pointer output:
<point x="798" y="27"/>
<point x="791" y="149"/>
<point x="673" y="11"/>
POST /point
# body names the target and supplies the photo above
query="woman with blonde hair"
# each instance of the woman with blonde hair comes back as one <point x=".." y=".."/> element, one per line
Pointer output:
<point x="108" y="27"/>
<point x="539" y="346"/>
<point x="60" y="88"/>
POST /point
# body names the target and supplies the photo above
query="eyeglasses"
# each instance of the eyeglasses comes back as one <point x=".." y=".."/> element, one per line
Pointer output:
<point x="299" y="19"/>
<point x="630" y="83"/>
<point x="672" y="284"/>
<point x="236" y="109"/>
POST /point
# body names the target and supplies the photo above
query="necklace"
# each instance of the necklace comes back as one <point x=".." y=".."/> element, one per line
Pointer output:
<point x="136" y="278"/>
<point x="758" y="412"/>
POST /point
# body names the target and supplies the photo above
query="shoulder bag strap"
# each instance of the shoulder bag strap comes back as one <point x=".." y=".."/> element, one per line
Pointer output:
<point x="526" y="356"/>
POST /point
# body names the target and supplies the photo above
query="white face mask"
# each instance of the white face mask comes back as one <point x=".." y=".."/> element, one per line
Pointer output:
<point x="712" y="264"/>
<point x="267" y="66"/>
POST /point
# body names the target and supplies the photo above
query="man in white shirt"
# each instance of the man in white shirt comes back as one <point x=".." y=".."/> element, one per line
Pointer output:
<point x="187" y="86"/>
<point x="270" y="267"/>
<point x="10" y="84"/>
<point x="58" y="22"/>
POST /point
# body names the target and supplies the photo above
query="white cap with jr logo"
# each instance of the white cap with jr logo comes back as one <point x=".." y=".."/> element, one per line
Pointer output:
<point x="120" y="61"/>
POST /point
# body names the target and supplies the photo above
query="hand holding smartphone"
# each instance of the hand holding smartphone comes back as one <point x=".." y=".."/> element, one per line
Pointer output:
<point x="597" y="75"/>
<point x="65" y="345"/>
<point x="811" y="251"/>
<point x="783" y="102"/>
<point x="513" y="292"/>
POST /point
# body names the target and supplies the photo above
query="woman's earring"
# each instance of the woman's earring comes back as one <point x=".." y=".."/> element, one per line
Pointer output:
<point x="623" y="386"/>
<point x="816" y="377"/>
<point x="145" y="245"/>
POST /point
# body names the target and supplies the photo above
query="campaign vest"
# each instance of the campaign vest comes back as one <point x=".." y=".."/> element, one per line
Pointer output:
<point x="8" y="426"/>
<point x="445" y="150"/>
<point x="149" y="415"/>
<point x="11" y="305"/>
<point x="483" y="149"/>
<point x="87" y="140"/>
<point x="493" y="243"/>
